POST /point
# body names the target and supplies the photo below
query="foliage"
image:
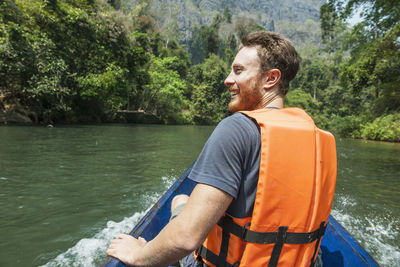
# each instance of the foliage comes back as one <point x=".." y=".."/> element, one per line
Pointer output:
<point x="379" y="16"/>
<point x="347" y="126"/>
<point x="30" y="70"/>
<point x="205" y="41"/>
<point x="244" y="26"/>
<point x="314" y="77"/>
<point x="383" y="128"/>
<point x="104" y="88"/>
<point x="374" y="73"/>
<point x="210" y="97"/>
<point x="230" y="48"/>
<point x="364" y="87"/>
<point x="164" y="94"/>
<point x="68" y="59"/>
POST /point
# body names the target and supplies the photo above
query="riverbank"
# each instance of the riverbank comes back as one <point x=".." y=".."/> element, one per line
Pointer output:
<point x="18" y="115"/>
<point x="384" y="128"/>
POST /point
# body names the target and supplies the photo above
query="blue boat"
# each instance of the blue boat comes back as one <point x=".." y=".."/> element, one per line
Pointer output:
<point x="338" y="247"/>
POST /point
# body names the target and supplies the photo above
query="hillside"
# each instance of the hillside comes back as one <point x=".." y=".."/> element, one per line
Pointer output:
<point x="298" y="20"/>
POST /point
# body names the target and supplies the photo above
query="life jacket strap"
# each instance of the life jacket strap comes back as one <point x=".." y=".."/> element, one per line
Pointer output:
<point x="278" y="238"/>
<point x="276" y="252"/>
<point x="224" y="248"/>
<point x="314" y="257"/>
<point x="248" y="235"/>
<point x="204" y="253"/>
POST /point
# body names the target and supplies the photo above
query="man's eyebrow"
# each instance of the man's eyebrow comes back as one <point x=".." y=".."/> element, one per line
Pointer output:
<point x="236" y="65"/>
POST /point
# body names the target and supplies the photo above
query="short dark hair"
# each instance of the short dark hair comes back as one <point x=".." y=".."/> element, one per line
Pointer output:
<point x="275" y="52"/>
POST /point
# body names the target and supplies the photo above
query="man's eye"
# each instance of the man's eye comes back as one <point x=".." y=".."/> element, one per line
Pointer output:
<point x="237" y="71"/>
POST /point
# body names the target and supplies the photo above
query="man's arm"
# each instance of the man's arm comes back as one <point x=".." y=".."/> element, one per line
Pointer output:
<point x="181" y="236"/>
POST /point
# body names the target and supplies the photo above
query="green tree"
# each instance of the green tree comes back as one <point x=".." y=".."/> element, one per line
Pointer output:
<point x="230" y="48"/>
<point x="244" y="26"/>
<point x="205" y="42"/>
<point x="210" y="96"/>
<point x="372" y="73"/>
<point x="103" y="90"/>
<point x="227" y="14"/>
<point x="163" y="96"/>
<point x="55" y="56"/>
<point x="378" y="16"/>
<point x="313" y="77"/>
<point x="333" y="28"/>
<point x="366" y="65"/>
<point x="383" y="128"/>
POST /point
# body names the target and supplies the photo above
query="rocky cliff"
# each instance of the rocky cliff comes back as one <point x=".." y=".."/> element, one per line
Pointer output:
<point x="296" y="19"/>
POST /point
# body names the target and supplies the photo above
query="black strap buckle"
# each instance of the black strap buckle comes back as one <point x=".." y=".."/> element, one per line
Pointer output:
<point x="198" y="252"/>
<point x="321" y="232"/>
<point x="244" y="230"/>
<point x="280" y="241"/>
<point x="322" y="229"/>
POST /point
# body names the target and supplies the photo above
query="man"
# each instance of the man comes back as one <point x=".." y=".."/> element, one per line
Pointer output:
<point x="246" y="175"/>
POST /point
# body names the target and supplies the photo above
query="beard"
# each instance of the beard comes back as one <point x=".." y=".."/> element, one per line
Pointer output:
<point x="249" y="98"/>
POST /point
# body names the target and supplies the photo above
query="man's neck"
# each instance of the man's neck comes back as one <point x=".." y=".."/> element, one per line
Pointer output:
<point x="273" y="99"/>
<point x="276" y="102"/>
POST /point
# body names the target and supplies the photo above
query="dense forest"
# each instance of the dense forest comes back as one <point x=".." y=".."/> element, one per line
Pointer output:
<point x="83" y="61"/>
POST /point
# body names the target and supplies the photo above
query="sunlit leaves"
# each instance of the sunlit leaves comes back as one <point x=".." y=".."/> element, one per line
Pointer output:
<point x="210" y="97"/>
<point x="164" y="94"/>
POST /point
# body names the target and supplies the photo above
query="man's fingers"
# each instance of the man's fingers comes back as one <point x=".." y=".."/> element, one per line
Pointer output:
<point x="142" y="241"/>
<point x="110" y="252"/>
<point x="125" y="247"/>
<point x="114" y="243"/>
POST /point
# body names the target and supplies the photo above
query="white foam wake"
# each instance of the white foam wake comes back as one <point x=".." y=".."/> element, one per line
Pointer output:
<point x="92" y="251"/>
<point x="87" y="251"/>
<point x="377" y="234"/>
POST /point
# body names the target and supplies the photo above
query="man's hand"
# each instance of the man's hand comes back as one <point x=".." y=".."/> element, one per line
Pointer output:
<point x="125" y="248"/>
<point x="180" y="236"/>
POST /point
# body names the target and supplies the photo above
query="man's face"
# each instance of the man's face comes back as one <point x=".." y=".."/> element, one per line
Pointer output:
<point x="245" y="81"/>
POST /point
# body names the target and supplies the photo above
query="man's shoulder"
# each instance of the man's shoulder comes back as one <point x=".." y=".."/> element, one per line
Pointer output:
<point x="237" y="129"/>
<point x="236" y="117"/>
<point x="224" y="156"/>
<point x="239" y="122"/>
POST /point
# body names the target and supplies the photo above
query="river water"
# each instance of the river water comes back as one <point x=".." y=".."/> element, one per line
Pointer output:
<point x="66" y="192"/>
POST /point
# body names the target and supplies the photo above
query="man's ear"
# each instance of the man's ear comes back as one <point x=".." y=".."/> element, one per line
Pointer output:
<point x="272" y="78"/>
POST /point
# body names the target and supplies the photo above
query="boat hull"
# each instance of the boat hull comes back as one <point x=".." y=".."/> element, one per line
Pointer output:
<point x="338" y="247"/>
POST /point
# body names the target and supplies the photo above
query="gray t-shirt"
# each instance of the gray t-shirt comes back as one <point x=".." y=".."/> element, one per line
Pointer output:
<point x="230" y="161"/>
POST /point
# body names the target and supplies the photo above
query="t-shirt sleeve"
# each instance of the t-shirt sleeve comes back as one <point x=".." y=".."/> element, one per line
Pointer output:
<point x="220" y="163"/>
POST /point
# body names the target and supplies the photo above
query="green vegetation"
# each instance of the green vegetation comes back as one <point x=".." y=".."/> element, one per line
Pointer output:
<point x="69" y="61"/>
<point x="383" y="128"/>
<point x="163" y="96"/>
<point x="351" y="85"/>
<point x="210" y="96"/>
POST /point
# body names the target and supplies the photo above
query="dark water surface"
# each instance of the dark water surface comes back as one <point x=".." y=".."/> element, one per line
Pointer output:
<point x="66" y="192"/>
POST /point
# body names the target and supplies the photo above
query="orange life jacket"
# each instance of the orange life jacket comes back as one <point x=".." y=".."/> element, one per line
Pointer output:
<point x="294" y="197"/>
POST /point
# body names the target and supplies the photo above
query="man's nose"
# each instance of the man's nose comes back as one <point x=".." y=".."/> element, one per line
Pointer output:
<point x="229" y="81"/>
